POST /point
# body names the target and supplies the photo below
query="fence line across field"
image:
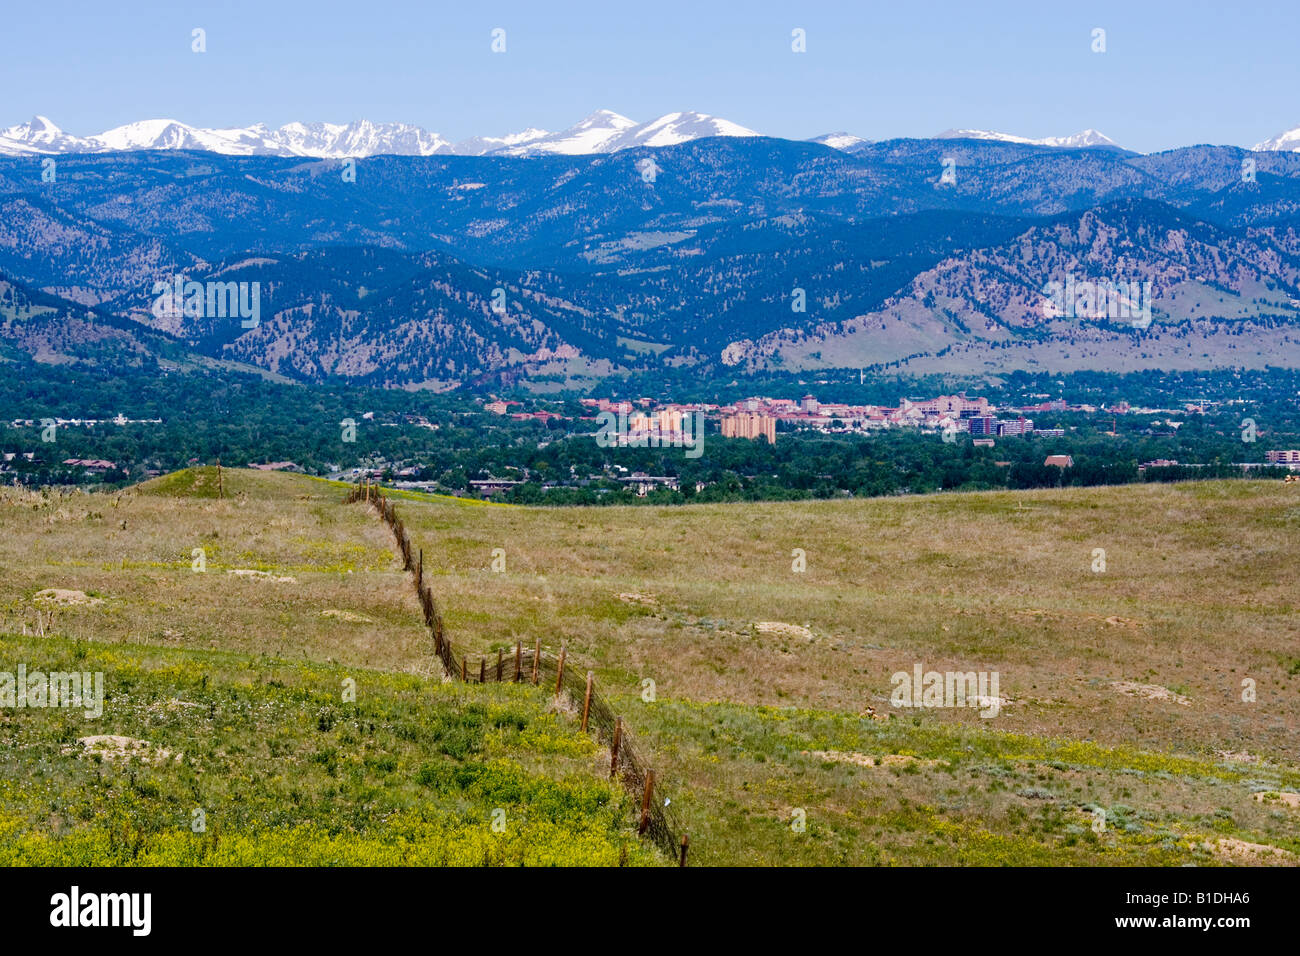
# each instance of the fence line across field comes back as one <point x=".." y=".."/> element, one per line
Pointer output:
<point x="534" y="665"/>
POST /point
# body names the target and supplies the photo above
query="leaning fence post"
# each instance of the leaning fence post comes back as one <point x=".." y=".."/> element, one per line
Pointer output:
<point x="645" y="800"/>
<point x="537" y="656"/>
<point x="586" y="702"/>
<point x="419" y="572"/>
<point x="559" y="671"/>
<point x="613" y="751"/>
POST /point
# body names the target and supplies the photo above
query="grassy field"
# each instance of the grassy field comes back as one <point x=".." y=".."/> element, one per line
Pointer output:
<point x="746" y="682"/>
<point x="323" y="586"/>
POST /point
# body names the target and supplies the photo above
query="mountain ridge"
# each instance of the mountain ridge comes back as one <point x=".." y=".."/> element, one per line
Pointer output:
<point x="445" y="271"/>
<point x="602" y="131"/>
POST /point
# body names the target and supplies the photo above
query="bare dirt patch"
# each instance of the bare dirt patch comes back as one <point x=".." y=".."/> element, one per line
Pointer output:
<point x="1238" y="756"/>
<point x="64" y="596"/>
<point x="784" y="630"/>
<point x="1149" y="692"/>
<point x="867" y="760"/>
<point x="1123" y="622"/>
<point x="1251" y="854"/>
<point x="350" y="616"/>
<point x="1283" y="797"/>
<point x="261" y="575"/>
<point x="116" y="747"/>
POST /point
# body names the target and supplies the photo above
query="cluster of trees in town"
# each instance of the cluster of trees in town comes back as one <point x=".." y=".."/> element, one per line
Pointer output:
<point x="449" y="440"/>
<point x="808" y="465"/>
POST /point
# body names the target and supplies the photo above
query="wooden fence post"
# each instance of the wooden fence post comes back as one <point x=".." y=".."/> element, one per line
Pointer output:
<point x="686" y="840"/>
<point x="613" y="751"/>
<point x="519" y="660"/>
<point x="499" y="659"/>
<point x="419" y="572"/>
<point x="586" y="702"/>
<point x="462" y="669"/>
<point x="559" y="671"/>
<point x="482" y="670"/>
<point x="537" y="656"/>
<point x="645" y="800"/>
<point x="221" y="491"/>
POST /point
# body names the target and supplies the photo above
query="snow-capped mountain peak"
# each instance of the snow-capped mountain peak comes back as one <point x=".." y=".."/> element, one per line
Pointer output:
<point x="674" y="128"/>
<point x="1086" y="138"/>
<point x="39" y="129"/>
<point x="479" y="145"/>
<point x="603" y="131"/>
<point x="841" y="141"/>
<point x="37" y="135"/>
<point x="1288" y="141"/>
<point x="1089" y="137"/>
<point x="591" y="134"/>
<point x="157" y="134"/>
<point x="362" y="138"/>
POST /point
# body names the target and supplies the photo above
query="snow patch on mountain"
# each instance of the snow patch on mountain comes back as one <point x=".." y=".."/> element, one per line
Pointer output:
<point x="1288" y="141"/>
<point x="481" y="145"/>
<point x="840" y="141"/>
<point x="1086" y="138"/>
<point x="591" y="134"/>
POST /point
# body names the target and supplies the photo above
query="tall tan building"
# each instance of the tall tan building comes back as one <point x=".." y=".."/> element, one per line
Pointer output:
<point x="750" y="425"/>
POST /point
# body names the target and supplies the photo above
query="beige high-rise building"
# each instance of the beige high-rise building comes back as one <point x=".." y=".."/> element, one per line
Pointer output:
<point x="750" y="425"/>
<point x="670" y="420"/>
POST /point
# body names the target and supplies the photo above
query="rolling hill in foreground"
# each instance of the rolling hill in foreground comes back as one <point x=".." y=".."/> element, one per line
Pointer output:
<point x="1146" y="709"/>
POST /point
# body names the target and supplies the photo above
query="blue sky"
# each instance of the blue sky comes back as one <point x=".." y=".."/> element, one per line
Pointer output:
<point x="1174" y="73"/>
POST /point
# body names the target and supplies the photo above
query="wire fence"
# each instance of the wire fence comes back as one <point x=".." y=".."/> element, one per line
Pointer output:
<point x="537" y="666"/>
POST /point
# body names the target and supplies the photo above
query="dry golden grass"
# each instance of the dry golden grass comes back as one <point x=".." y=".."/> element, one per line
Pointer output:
<point x="133" y="554"/>
<point x="1199" y="594"/>
<point x="763" y="675"/>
